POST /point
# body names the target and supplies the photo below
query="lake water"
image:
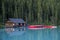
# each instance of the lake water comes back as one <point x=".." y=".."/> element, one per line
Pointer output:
<point x="43" y="34"/>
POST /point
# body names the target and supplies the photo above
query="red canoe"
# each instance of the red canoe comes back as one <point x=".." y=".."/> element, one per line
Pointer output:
<point x="40" y="26"/>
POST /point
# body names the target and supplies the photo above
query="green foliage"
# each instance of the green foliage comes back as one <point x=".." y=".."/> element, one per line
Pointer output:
<point x="32" y="11"/>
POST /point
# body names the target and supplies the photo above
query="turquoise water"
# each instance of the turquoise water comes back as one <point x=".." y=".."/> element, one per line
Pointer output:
<point x="43" y="34"/>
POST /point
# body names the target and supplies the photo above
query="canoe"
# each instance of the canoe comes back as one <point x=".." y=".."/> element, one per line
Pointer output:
<point x="41" y="26"/>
